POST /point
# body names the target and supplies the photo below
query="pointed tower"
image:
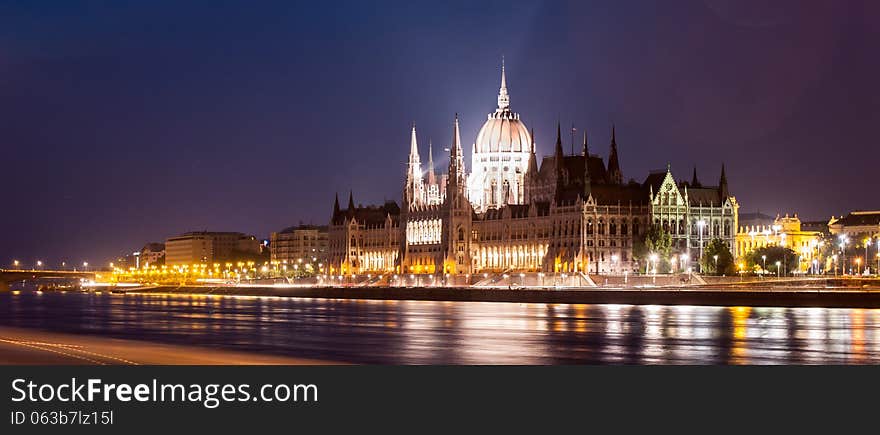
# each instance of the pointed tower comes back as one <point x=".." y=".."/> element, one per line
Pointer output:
<point x="722" y="185"/>
<point x="350" y="204"/>
<point x="531" y="172"/>
<point x="533" y="158"/>
<point x="558" y="153"/>
<point x="587" y="180"/>
<point x="614" y="174"/>
<point x="458" y="212"/>
<point x="456" y="178"/>
<point x="415" y="189"/>
<point x="432" y="177"/>
<point x="559" y="160"/>
<point x="503" y="97"/>
<point x="694" y="181"/>
<point x="335" y="208"/>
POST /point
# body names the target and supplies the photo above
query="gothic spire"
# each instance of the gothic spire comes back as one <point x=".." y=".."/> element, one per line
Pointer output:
<point x="694" y="181"/>
<point x="503" y="97"/>
<point x="614" y="173"/>
<point x="414" y="189"/>
<point x="559" y="152"/>
<point x="456" y="160"/>
<point x="336" y="207"/>
<point x="533" y="160"/>
<point x="587" y="179"/>
<point x="722" y="185"/>
<point x="350" y="203"/>
<point x="413" y="147"/>
<point x="432" y="177"/>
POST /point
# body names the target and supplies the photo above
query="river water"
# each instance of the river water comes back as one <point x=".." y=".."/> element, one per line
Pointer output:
<point x="420" y="332"/>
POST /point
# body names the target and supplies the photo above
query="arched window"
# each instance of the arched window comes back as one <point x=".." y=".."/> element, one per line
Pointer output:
<point x="612" y="229"/>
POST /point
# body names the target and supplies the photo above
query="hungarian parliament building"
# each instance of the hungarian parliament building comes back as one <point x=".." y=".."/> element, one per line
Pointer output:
<point x="512" y="213"/>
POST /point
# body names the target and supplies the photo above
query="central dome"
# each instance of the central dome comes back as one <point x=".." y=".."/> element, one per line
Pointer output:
<point x="503" y="132"/>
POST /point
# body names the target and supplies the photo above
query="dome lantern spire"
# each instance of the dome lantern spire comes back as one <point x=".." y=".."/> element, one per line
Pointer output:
<point x="503" y="97"/>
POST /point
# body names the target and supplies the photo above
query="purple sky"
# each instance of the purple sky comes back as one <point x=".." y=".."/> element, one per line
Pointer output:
<point x="128" y="122"/>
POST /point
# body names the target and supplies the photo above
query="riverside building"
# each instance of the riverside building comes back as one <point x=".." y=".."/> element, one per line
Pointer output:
<point x="514" y="212"/>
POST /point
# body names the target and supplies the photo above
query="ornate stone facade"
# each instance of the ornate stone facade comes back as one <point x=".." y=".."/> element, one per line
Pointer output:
<point x="571" y="213"/>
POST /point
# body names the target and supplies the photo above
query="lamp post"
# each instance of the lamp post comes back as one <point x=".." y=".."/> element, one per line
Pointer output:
<point x="778" y="265"/>
<point x="716" y="263"/>
<point x="15" y="263"/>
<point x="843" y="240"/>
<point x="701" y="223"/>
<point x="867" y="244"/>
<point x="764" y="268"/>
<point x="858" y="265"/>
<point x="613" y="263"/>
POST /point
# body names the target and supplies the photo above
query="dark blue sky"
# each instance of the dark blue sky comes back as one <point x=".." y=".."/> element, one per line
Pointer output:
<point x="128" y="122"/>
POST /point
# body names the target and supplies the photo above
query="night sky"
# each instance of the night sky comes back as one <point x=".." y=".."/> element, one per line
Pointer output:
<point x="123" y="123"/>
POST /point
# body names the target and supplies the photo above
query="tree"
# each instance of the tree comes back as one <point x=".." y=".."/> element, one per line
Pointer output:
<point x="654" y="241"/>
<point x="786" y="257"/>
<point x="725" y="260"/>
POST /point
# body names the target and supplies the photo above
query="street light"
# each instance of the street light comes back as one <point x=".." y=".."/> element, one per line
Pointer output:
<point x="701" y="223"/>
<point x="858" y="265"/>
<point x="778" y="265"/>
<point x="613" y="262"/>
<point x="15" y="263"/>
<point x="764" y="268"/>
<point x="716" y="263"/>
<point x="86" y="266"/>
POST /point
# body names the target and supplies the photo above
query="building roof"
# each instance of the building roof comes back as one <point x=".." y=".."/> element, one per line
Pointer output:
<point x="654" y="180"/>
<point x="859" y="218"/>
<point x="153" y="247"/>
<point x="370" y="215"/>
<point x="705" y="196"/>
<point x="300" y="227"/>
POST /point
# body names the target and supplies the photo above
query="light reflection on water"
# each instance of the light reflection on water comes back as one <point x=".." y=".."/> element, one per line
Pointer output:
<point x="421" y="332"/>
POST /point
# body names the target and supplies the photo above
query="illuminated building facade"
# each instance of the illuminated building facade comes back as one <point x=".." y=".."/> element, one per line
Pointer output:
<point x="362" y="239"/>
<point x="693" y="214"/>
<point x="151" y="254"/>
<point x="856" y="225"/>
<point x="785" y="232"/>
<point x="209" y="247"/>
<point x="293" y="244"/>
<point x="571" y="213"/>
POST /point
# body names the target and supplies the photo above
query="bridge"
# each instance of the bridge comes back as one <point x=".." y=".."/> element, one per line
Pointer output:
<point x="11" y="275"/>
